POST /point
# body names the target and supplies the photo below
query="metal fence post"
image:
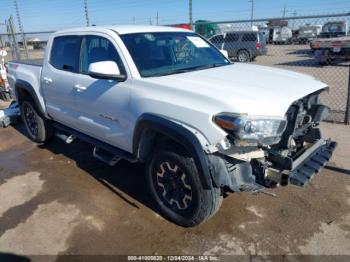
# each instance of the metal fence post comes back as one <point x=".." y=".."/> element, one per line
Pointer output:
<point x="347" y="110"/>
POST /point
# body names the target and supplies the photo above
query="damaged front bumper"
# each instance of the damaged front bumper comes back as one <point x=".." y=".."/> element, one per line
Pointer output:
<point x="311" y="162"/>
<point x="250" y="176"/>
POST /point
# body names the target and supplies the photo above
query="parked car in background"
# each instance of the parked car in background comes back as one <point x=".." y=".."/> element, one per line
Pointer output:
<point x="334" y="29"/>
<point x="243" y="45"/>
<point x="307" y="33"/>
<point x="329" y="50"/>
<point x="282" y="35"/>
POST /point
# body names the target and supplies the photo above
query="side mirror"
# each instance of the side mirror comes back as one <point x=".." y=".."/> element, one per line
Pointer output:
<point x="224" y="52"/>
<point x="108" y="70"/>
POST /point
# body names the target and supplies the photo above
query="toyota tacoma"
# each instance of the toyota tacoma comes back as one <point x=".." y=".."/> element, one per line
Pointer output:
<point x="167" y="97"/>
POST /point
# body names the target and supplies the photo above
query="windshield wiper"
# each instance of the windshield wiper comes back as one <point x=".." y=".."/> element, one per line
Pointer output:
<point x="189" y="69"/>
<point x="195" y="68"/>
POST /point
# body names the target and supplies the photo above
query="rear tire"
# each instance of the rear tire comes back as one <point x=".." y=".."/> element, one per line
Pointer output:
<point x="39" y="129"/>
<point x="243" y="56"/>
<point x="175" y="186"/>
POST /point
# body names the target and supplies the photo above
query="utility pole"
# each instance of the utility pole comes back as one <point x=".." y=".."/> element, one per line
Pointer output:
<point x="21" y="29"/>
<point x="157" y="18"/>
<point x="150" y="20"/>
<point x="190" y="13"/>
<point x="1" y="41"/>
<point x="284" y="11"/>
<point x="12" y="37"/>
<point x="86" y="12"/>
<point x="252" y="12"/>
<point x="295" y="15"/>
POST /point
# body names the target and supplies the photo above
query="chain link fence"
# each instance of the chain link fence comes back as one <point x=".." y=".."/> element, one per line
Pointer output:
<point x="287" y="43"/>
<point x="280" y="42"/>
<point x="34" y="48"/>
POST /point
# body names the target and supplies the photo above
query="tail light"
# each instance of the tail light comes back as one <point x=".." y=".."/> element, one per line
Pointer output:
<point x="258" y="45"/>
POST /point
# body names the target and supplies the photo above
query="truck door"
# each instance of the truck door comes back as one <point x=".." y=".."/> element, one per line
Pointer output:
<point x="58" y="74"/>
<point x="102" y="105"/>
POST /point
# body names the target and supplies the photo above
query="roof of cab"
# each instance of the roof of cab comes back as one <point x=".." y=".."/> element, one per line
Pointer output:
<point x="125" y="29"/>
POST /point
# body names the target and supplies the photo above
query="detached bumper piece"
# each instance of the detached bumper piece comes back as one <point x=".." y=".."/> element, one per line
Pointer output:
<point x="311" y="162"/>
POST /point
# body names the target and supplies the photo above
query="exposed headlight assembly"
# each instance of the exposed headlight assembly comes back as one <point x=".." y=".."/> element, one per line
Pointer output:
<point x="252" y="130"/>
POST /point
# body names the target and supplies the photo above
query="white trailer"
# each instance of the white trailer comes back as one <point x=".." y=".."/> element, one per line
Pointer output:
<point x="282" y="35"/>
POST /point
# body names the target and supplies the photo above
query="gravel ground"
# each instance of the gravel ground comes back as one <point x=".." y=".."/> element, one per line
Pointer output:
<point x="57" y="199"/>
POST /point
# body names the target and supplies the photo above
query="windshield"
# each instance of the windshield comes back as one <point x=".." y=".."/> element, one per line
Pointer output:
<point x="165" y="53"/>
<point x="334" y="28"/>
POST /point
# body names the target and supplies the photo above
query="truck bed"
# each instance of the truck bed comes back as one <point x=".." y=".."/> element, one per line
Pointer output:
<point x="33" y="62"/>
<point x="338" y="42"/>
<point x="28" y="71"/>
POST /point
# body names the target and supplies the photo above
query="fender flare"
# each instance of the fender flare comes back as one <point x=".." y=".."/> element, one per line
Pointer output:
<point x="179" y="134"/>
<point x="21" y="84"/>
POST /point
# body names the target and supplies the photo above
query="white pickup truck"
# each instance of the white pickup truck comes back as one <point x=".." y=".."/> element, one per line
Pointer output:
<point x="167" y="97"/>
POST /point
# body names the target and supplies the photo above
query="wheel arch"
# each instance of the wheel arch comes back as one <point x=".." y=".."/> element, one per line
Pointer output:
<point x="151" y="127"/>
<point x="23" y="89"/>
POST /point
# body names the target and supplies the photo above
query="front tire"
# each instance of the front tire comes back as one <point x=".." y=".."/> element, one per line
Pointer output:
<point x="39" y="129"/>
<point x="177" y="190"/>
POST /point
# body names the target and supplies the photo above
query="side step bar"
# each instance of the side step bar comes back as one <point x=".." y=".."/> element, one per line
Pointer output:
<point x="106" y="157"/>
<point x="311" y="162"/>
<point x="102" y="151"/>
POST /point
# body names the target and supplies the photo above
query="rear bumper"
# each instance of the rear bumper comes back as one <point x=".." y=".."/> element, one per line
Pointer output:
<point x="261" y="51"/>
<point x="311" y="162"/>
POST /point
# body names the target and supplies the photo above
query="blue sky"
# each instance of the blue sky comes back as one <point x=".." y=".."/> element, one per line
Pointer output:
<point x="57" y="14"/>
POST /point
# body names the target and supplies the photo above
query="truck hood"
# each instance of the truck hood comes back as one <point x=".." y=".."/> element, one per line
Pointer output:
<point x="242" y="88"/>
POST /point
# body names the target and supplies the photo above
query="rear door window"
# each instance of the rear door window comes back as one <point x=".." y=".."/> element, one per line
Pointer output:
<point x="65" y="53"/>
<point x="249" y="38"/>
<point x="232" y="37"/>
<point x="217" y="39"/>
